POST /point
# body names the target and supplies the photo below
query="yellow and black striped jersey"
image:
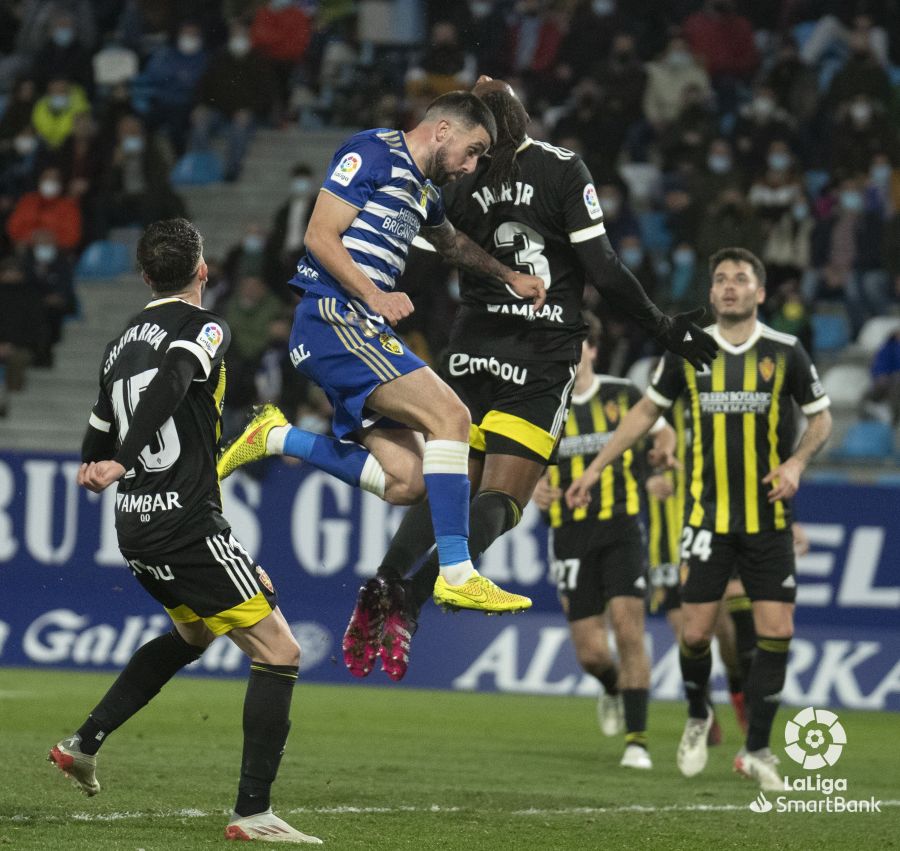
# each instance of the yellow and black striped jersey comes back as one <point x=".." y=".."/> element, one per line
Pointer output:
<point x="593" y="418"/>
<point x="743" y="425"/>
<point x="665" y="516"/>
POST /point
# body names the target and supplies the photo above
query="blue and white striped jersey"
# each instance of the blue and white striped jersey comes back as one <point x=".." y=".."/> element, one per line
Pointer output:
<point x="375" y="173"/>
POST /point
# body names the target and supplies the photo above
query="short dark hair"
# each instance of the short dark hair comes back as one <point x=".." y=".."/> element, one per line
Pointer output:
<point x="168" y="253"/>
<point x="738" y="255"/>
<point x="594" y="329"/>
<point x="468" y="108"/>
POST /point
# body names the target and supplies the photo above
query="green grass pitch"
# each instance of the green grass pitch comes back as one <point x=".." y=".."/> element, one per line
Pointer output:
<point x="394" y="769"/>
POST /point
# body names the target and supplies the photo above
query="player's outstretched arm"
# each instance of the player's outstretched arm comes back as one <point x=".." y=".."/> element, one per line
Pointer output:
<point x="785" y="478"/>
<point x="457" y="249"/>
<point x="330" y="219"/>
<point x="634" y="425"/>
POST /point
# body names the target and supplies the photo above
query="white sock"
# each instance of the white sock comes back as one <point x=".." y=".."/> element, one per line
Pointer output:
<point x="457" y="574"/>
<point x="372" y="477"/>
<point x="275" y="439"/>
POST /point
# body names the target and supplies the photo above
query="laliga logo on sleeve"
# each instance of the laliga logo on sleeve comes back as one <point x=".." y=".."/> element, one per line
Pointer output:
<point x="814" y="738"/>
<point x="346" y="169"/>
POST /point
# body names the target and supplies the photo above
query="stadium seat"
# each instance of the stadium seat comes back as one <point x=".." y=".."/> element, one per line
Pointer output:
<point x="831" y="332"/>
<point x="640" y="372"/>
<point x="867" y="440"/>
<point x="197" y="169"/>
<point x="876" y="331"/>
<point x="846" y="384"/>
<point x="103" y="259"/>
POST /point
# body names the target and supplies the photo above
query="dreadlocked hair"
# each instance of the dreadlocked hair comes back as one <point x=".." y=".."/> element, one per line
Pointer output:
<point x="511" y="121"/>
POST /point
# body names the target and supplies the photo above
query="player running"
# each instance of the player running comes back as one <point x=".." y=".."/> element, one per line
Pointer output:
<point x="743" y="439"/>
<point x="534" y="207"/>
<point x="155" y="430"/>
<point x="380" y="193"/>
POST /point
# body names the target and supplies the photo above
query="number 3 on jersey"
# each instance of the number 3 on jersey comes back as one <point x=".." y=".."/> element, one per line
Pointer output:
<point x="696" y="542"/>
<point x="528" y="245"/>
<point x="125" y="397"/>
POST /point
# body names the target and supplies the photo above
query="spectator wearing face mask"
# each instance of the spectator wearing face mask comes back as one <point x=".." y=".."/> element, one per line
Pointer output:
<point x="723" y="40"/>
<point x="667" y="79"/>
<point x="21" y="328"/>
<point x="235" y="94"/>
<point x="16" y="117"/>
<point x="164" y="91"/>
<point x="442" y="67"/>
<point x="61" y="54"/>
<point x="284" y="247"/>
<point x="54" y="113"/>
<point x="36" y="17"/>
<point x="46" y="209"/>
<point x="848" y="256"/>
<point x="618" y="217"/>
<point x="883" y="186"/>
<point x="761" y="122"/>
<point x="862" y="128"/>
<point x="730" y="220"/>
<point x="50" y="273"/>
<point x="80" y="159"/>
<point x="18" y="166"/>
<point x="776" y="190"/>
<point x="862" y="74"/>
<point x="718" y="173"/>
<point x="281" y="31"/>
<point x="247" y="257"/>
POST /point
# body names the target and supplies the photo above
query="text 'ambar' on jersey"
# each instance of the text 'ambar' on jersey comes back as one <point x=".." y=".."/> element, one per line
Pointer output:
<point x="484" y="196"/>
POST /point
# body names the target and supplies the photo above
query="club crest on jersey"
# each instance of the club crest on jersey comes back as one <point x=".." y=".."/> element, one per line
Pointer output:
<point x="592" y="202"/>
<point x="767" y="368"/>
<point x="611" y="409"/>
<point x="264" y="580"/>
<point x="390" y="344"/>
<point x="346" y="169"/>
<point x="210" y="338"/>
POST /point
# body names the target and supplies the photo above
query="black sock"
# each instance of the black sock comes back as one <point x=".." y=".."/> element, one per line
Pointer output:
<point x="634" y="701"/>
<point x="609" y="679"/>
<point x="735" y="684"/>
<point x="491" y="514"/>
<point x="148" y="670"/>
<point x="744" y="632"/>
<point x="413" y="538"/>
<point x="267" y="710"/>
<point x="696" y="666"/>
<point x="763" y="689"/>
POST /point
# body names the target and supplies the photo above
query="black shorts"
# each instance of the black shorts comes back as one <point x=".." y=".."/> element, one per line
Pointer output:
<point x="594" y="561"/>
<point x="764" y="562"/>
<point x="665" y="588"/>
<point x="518" y="407"/>
<point x="214" y="580"/>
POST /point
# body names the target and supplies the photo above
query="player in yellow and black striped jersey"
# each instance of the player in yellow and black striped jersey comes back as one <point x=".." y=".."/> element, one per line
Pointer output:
<point x="744" y="468"/>
<point x="598" y="551"/>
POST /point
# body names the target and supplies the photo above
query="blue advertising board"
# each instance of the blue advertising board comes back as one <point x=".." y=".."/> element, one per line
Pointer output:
<point x="67" y="599"/>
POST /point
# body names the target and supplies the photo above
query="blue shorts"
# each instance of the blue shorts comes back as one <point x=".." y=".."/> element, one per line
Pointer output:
<point x="348" y="354"/>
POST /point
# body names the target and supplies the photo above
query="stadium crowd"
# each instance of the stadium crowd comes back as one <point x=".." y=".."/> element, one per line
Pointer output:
<point x="772" y="125"/>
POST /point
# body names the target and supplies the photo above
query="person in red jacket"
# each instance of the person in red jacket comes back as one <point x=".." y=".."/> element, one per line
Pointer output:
<point x="46" y="209"/>
<point x="281" y="31"/>
<point x="724" y="41"/>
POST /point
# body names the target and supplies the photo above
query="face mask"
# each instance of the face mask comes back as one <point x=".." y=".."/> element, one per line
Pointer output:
<point x="132" y="144"/>
<point x="779" y="161"/>
<point x="63" y="36"/>
<point x="189" y="44"/>
<point x="851" y="201"/>
<point x="602" y="8"/>
<point x="59" y="102"/>
<point x="861" y="112"/>
<point x="632" y="257"/>
<point x="683" y="257"/>
<point x="609" y="204"/>
<point x="880" y="173"/>
<point x="50" y="188"/>
<point x="480" y="9"/>
<point x="253" y="243"/>
<point x="301" y="185"/>
<point x="679" y="58"/>
<point x="239" y="45"/>
<point x="24" y="145"/>
<point x="45" y="253"/>
<point x="799" y="211"/>
<point x="719" y="163"/>
<point x="763" y="106"/>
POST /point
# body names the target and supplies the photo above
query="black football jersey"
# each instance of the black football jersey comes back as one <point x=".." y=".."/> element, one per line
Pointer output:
<point x="171" y="496"/>
<point x="531" y="226"/>
<point x="743" y="426"/>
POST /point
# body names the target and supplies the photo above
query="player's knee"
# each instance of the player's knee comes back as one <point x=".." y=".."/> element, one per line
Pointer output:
<point x="695" y="636"/>
<point x="401" y="492"/>
<point x="593" y="657"/>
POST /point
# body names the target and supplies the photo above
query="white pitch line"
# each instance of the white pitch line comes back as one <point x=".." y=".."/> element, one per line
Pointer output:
<point x="434" y="808"/>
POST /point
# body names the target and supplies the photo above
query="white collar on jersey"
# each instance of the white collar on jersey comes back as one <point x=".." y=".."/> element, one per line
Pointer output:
<point x="581" y="398"/>
<point x="525" y="143"/>
<point x="743" y="347"/>
<point x="157" y="301"/>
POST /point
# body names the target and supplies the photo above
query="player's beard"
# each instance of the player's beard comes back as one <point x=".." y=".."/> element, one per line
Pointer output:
<point x="439" y="173"/>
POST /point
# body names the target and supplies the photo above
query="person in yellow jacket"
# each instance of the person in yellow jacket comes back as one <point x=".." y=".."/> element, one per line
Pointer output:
<point x="55" y="112"/>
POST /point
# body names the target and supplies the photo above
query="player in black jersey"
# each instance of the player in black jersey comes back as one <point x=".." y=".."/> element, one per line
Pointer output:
<point x="535" y="208"/>
<point x="744" y="428"/>
<point x="598" y="551"/>
<point x="155" y="429"/>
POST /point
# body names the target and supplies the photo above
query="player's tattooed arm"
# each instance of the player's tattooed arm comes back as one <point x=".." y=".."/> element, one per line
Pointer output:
<point x="458" y="250"/>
